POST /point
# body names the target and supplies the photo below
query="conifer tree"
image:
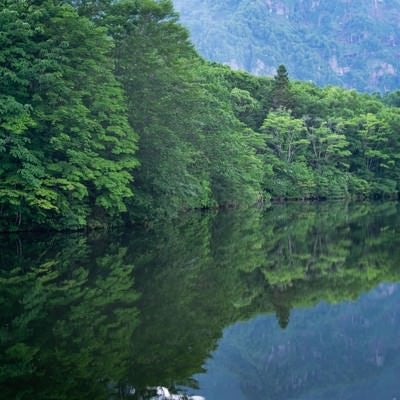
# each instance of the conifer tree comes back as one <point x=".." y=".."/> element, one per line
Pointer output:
<point x="281" y="96"/>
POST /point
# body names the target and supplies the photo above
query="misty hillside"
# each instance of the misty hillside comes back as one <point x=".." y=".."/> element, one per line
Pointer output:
<point x="352" y="43"/>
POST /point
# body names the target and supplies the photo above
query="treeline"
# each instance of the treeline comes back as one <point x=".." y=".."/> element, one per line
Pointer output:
<point x="108" y="115"/>
<point x="323" y="143"/>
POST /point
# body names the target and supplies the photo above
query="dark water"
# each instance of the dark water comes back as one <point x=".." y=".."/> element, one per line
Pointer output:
<point x="296" y="302"/>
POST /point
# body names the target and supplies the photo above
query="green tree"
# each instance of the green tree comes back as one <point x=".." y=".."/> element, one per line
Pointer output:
<point x="284" y="134"/>
<point x="68" y="152"/>
<point x="281" y="95"/>
<point x="286" y="171"/>
<point x="328" y="144"/>
<point x="244" y="106"/>
<point x="393" y="98"/>
<point x="235" y="170"/>
<point x="155" y="63"/>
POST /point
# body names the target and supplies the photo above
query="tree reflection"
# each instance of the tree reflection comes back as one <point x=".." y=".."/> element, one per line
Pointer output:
<point x="210" y="271"/>
<point x="67" y="319"/>
<point x="78" y="321"/>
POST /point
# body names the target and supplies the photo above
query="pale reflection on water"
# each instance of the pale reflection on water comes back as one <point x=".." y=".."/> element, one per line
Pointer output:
<point x="345" y="351"/>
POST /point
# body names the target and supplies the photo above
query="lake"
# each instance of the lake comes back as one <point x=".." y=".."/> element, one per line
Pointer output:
<point x="299" y="301"/>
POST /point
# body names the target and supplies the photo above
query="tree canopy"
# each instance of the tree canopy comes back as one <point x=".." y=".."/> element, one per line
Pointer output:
<point x="108" y="115"/>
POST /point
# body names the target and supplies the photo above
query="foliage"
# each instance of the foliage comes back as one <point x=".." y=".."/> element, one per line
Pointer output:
<point x="108" y="115"/>
<point x="193" y="151"/>
<point x="67" y="151"/>
<point x="281" y="95"/>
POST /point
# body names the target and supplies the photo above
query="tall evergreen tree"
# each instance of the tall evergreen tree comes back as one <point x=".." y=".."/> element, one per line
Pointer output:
<point x="281" y="95"/>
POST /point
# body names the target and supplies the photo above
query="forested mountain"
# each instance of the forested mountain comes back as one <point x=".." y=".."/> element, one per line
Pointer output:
<point x="108" y="115"/>
<point x="351" y="43"/>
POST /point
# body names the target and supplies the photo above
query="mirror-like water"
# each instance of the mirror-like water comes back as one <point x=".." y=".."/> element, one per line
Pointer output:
<point x="345" y="351"/>
<point x="296" y="302"/>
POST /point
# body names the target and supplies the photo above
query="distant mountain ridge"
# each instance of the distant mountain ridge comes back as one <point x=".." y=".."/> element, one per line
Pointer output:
<point x="351" y="43"/>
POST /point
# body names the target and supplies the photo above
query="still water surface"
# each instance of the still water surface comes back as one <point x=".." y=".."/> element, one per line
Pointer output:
<point x="296" y="302"/>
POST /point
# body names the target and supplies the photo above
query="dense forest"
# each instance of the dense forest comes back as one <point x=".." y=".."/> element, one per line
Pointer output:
<point x="350" y="43"/>
<point x="108" y="115"/>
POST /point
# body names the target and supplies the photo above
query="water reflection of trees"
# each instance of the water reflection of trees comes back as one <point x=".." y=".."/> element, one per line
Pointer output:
<point x="326" y="352"/>
<point x="210" y="271"/>
<point x="68" y="313"/>
<point x="70" y="321"/>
